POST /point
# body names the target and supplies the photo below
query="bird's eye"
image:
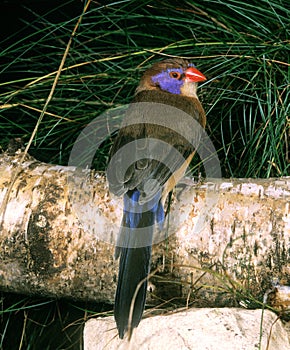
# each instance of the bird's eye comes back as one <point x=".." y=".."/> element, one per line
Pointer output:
<point x="175" y="75"/>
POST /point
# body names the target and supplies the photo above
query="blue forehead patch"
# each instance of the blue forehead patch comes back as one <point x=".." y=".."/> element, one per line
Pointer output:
<point x="179" y="70"/>
<point x="167" y="83"/>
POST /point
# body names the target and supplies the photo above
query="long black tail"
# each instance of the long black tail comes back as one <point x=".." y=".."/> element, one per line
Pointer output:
<point x="134" y="267"/>
<point x="134" y="251"/>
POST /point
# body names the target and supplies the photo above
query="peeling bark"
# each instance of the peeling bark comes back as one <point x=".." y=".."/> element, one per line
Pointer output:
<point x="227" y="239"/>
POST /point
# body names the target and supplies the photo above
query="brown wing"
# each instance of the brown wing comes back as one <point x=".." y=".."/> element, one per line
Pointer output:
<point x="158" y="136"/>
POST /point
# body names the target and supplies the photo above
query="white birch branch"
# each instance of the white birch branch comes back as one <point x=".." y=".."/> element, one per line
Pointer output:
<point x="226" y="238"/>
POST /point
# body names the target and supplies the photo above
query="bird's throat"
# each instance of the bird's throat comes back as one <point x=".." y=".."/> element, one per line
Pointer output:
<point x="189" y="89"/>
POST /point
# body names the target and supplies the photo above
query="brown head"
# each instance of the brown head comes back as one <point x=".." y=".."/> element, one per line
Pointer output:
<point x="173" y="75"/>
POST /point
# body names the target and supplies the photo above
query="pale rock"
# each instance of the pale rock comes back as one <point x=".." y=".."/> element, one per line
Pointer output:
<point x="196" y="329"/>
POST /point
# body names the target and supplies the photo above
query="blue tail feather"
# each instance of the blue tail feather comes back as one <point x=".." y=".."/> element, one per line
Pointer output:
<point x="134" y="250"/>
<point x="133" y="210"/>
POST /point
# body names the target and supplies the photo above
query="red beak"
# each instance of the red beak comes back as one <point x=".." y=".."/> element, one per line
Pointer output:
<point x="193" y="75"/>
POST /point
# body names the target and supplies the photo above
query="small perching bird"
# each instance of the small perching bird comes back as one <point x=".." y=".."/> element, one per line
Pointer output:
<point x="149" y="156"/>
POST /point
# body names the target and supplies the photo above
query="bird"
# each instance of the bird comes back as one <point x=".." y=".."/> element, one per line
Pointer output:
<point x="147" y="159"/>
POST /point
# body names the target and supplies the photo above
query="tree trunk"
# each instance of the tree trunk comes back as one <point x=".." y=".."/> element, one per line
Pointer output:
<point x="226" y="241"/>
